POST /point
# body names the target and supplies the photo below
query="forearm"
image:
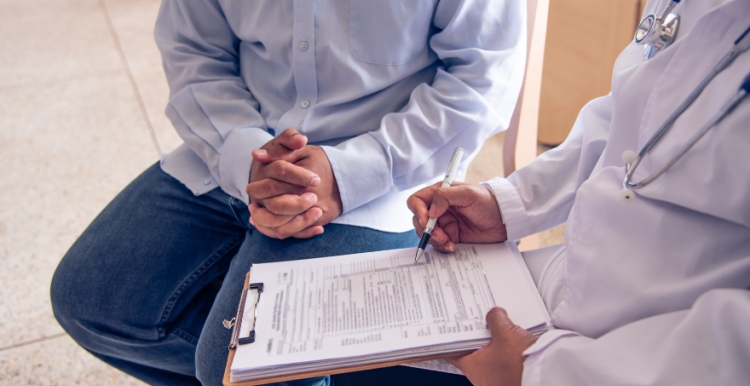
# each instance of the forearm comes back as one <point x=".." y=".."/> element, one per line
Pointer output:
<point x="210" y="106"/>
<point x="481" y="47"/>
<point x="540" y="195"/>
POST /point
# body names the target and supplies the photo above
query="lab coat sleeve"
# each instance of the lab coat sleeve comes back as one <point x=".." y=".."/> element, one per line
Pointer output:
<point x="540" y="195"/>
<point x="708" y="344"/>
<point x="481" y="45"/>
<point x="209" y="105"/>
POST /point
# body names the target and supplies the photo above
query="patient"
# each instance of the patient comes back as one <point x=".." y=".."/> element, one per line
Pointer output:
<point x="378" y="94"/>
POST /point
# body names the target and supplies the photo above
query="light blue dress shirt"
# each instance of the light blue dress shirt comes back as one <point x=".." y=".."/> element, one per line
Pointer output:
<point x="387" y="88"/>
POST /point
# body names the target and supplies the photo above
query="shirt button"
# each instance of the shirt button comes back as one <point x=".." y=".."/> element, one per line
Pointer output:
<point x="303" y="46"/>
<point x="305" y="104"/>
<point x="206" y="182"/>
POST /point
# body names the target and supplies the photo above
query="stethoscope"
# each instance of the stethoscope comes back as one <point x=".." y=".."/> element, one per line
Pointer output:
<point x="658" y="32"/>
<point x="629" y="157"/>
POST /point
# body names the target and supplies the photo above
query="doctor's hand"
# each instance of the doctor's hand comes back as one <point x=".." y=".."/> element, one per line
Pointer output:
<point x="292" y="189"/>
<point x="499" y="362"/>
<point x="466" y="213"/>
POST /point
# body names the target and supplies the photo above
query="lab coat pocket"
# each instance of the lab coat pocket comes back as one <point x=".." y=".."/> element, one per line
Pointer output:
<point x="389" y="32"/>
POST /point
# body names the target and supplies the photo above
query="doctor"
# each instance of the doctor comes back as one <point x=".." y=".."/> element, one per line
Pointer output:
<point x="650" y="287"/>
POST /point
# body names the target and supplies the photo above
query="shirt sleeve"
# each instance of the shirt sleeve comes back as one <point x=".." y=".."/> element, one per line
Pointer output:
<point x="708" y="344"/>
<point x="540" y="195"/>
<point x="481" y="47"/>
<point x="209" y="106"/>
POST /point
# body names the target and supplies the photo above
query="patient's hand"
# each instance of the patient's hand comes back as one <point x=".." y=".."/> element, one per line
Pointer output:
<point x="292" y="189"/>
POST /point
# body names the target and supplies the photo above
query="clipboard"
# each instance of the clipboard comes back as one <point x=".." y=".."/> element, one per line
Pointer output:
<point x="290" y="377"/>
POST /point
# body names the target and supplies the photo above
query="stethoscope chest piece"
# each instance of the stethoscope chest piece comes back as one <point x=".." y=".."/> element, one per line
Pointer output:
<point x="658" y="32"/>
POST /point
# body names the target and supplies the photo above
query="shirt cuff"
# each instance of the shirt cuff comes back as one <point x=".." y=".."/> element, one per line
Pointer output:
<point x="361" y="169"/>
<point x="547" y="339"/>
<point x="512" y="210"/>
<point x="532" y="371"/>
<point x="235" y="159"/>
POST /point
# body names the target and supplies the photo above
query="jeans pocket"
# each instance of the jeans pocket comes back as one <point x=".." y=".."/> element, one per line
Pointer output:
<point x="389" y="32"/>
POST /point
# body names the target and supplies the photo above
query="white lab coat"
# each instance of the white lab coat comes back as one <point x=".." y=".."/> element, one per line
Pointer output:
<point x="654" y="291"/>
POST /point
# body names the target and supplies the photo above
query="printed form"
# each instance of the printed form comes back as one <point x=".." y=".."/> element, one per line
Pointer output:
<point x="383" y="304"/>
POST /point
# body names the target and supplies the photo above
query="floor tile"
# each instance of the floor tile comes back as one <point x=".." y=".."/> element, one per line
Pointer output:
<point x="154" y="91"/>
<point x="133" y="22"/>
<point x="488" y="164"/>
<point x="66" y="148"/>
<point x="46" y="40"/>
<point x="58" y="361"/>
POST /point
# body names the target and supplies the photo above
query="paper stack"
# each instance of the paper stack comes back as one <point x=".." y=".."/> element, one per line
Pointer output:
<point x="347" y="311"/>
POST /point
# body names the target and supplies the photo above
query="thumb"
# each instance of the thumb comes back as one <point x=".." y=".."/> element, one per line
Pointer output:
<point x="506" y="333"/>
<point x="499" y="323"/>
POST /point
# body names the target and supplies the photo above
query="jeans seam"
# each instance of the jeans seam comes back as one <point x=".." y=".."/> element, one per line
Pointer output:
<point x="191" y="279"/>
<point x="184" y="335"/>
<point x="237" y="216"/>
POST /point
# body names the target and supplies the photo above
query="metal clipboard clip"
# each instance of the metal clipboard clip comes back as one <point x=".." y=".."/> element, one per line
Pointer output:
<point x="237" y="321"/>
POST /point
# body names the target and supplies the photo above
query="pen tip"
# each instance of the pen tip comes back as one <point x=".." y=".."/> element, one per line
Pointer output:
<point x="419" y="254"/>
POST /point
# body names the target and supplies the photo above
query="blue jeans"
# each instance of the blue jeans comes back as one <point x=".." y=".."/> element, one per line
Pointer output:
<point x="146" y="287"/>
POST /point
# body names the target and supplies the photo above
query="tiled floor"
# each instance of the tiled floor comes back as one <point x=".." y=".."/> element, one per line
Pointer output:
<point x="82" y="95"/>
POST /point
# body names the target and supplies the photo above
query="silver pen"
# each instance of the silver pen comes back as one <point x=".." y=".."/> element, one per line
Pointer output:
<point x="447" y="181"/>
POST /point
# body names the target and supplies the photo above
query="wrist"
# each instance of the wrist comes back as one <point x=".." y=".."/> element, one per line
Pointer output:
<point x="494" y="198"/>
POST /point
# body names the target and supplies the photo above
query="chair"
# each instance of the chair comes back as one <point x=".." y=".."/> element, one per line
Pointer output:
<point x="519" y="143"/>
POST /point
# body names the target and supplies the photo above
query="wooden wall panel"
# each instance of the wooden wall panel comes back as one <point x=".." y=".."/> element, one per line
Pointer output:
<point x="584" y="38"/>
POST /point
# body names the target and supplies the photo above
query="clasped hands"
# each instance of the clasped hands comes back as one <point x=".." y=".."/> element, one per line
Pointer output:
<point x="292" y="189"/>
<point x="468" y="213"/>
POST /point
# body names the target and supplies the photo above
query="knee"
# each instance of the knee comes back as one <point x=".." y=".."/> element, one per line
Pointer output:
<point x="79" y="299"/>
<point x="62" y="294"/>
<point x="67" y="295"/>
<point x="211" y="356"/>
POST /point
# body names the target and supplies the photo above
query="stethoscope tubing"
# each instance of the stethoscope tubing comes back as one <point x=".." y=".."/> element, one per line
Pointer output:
<point x="721" y="114"/>
<point x="741" y="45"/>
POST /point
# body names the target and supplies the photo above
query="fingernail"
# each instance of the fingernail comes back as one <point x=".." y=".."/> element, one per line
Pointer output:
<point x="315" y="181"/>
<point x="311" y="197"/>
<point x="432" y="212"/>
<point x="297" y="136"/>
<point x="260" y="152"/>
<point x="420" y="222"/>
<point x="451" y="248"/>
<point x="317" y="214"/>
